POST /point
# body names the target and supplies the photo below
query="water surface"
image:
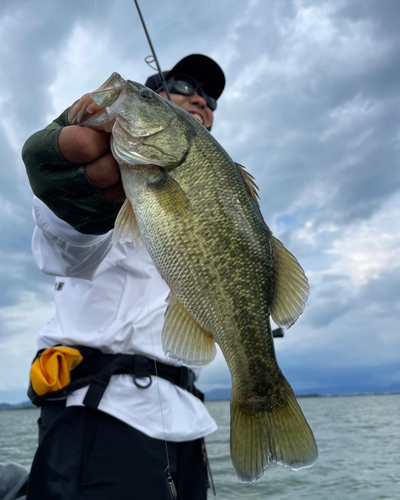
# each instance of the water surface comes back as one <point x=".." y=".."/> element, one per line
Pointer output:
<point x="358" y="439"/>
<point x="359" y="453"/>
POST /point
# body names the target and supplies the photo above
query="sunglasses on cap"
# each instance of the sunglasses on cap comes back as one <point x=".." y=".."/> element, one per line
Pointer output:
<point x="184" y="85"/>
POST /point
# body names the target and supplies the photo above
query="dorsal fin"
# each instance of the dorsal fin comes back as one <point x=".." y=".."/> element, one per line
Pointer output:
<point x="249" y="181"/>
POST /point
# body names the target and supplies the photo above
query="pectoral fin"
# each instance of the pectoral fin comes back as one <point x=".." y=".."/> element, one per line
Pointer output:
<point x="126" y="227"/>
<point x="291" y="288"/>
<point x="183" y="338"/>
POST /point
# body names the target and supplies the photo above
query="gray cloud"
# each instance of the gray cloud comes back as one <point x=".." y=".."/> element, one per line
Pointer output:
<point x="311" y="108"/>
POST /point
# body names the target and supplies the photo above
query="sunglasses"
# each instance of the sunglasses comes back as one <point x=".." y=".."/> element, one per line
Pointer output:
<point x="184" y="85"/>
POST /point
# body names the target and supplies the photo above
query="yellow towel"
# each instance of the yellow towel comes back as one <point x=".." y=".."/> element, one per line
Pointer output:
<point x="51" y="371"/>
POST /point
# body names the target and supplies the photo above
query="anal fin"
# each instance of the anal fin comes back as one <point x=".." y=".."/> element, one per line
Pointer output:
<point x="183" y="338"/>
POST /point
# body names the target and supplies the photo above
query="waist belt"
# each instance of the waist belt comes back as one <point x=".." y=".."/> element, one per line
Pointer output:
<point x="96" y="369"/>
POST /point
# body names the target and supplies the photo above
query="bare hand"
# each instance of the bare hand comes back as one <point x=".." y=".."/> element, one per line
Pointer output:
<point x="92" y="149"/>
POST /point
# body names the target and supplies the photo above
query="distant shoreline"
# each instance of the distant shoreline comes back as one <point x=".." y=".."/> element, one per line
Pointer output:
<point x="349" y="395"/>
<point x="27" y="405"/>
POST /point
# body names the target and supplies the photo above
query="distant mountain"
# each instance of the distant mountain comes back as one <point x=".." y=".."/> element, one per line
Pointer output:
<point x="225" y="394"/>
<point x="24" y="404"/>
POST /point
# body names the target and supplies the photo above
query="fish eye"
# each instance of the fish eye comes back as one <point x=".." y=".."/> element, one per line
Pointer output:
<point x="147" y="95"/>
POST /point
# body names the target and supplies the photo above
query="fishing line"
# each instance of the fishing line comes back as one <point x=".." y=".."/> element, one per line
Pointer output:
<point x="97" y="10"/>
<point x="100" y="30"/>
<point x="150" y="60"/>
<point x="171" y="485"/>
<point x="163" y="82"/>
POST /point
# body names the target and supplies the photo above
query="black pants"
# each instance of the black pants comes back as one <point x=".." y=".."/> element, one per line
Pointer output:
<point x="89" y="455"/>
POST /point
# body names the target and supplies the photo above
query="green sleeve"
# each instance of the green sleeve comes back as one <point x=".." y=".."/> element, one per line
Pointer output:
<point x="64" y="187"/>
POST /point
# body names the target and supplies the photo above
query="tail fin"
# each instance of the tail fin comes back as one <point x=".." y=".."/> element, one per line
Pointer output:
<point x="280" y="435"/>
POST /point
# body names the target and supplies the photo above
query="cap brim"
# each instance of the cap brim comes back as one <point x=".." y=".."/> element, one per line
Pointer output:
<point x="203" y="69"/>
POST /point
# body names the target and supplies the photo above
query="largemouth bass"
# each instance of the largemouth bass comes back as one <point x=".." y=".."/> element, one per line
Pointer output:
<point x="198" y="215"/>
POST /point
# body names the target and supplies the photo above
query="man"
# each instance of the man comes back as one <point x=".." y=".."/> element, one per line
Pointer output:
<point x="131" y="434"/>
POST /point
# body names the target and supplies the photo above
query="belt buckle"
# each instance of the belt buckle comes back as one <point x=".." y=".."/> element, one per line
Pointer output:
<point x="144" y="386"/>
<point x="141" y="371"/>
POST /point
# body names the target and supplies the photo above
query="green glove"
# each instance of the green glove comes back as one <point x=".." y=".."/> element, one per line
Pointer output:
<point x="64" y="187"/>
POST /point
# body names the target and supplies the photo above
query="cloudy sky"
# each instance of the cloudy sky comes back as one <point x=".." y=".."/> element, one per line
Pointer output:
<point x="311" y="107"/>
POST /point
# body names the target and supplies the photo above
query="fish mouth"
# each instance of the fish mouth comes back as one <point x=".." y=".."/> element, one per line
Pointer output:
<point x="134" y="132"/>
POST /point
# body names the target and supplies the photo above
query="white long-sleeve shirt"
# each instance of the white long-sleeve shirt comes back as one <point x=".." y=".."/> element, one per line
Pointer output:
<point x="112" y="297"/>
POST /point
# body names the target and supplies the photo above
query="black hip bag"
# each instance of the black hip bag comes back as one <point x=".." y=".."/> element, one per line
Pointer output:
<point x="96" y="369"/>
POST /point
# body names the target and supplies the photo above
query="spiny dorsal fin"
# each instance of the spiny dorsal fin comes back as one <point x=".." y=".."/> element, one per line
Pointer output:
<point x="291" y="287"/>
<point x="126" y="227"/>
<point x="183" y="338"/>
<point x="250" y="183"/>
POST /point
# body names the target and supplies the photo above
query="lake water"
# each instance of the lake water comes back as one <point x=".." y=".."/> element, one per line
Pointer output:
<point x="358" y="439"/>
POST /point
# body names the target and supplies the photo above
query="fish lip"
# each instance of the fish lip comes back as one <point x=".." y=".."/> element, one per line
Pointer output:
<point x="135" y="134"/>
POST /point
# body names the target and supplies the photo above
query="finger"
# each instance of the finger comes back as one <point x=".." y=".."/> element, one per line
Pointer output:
<point x="79" y="106"/>
<point x="82" y="145"/>
<point x="72" y="110"/>
<point x="115" y="193"/>
<point x="104" y="172"/>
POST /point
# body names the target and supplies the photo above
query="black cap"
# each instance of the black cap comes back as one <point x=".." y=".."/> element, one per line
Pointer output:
<point x="202" y="68"/>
